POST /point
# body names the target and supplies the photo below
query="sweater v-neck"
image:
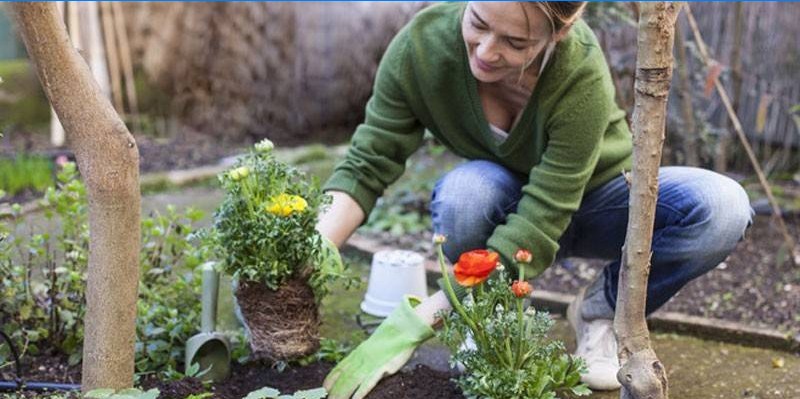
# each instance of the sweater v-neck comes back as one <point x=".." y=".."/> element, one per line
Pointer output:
<point x="517" y="131"/>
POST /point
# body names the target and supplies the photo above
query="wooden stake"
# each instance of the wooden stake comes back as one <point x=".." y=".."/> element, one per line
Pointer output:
<point x="125" y="58"/>
<point x="109" y="35"/>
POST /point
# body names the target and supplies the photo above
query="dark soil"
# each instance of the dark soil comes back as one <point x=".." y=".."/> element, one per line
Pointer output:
<point x="43" y="368"/>
<point x="749" y="286"/>
<point x="421" y="382"/>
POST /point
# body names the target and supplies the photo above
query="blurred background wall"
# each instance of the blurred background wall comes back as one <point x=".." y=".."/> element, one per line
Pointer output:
<point x="298" y="72"/>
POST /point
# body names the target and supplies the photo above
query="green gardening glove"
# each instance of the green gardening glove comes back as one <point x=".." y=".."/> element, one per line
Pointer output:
<point x="385" y="352"/>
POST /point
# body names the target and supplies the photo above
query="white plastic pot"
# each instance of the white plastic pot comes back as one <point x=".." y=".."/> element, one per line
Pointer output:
<point x="392" y="275"/>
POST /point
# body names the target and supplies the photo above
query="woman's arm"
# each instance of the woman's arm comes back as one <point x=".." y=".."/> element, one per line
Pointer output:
<point x="341" y="219"/>
<point x="429" y="308"/>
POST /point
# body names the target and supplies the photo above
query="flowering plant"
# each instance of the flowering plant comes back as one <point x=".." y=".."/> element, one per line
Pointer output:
<point x="511" y="356"/>
<point x="265" y="226"/>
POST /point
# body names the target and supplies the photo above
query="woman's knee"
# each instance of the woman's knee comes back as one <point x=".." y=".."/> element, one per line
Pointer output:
<point x="731" y="210"/>
<point x="718" y="203"/>
<point x="469" y="201"/>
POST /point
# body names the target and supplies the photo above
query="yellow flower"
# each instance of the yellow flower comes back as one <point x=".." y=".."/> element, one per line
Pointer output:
<point x="286" y="204"/>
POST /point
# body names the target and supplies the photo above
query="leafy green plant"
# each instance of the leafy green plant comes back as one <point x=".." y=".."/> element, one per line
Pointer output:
<point x="272" y="393"/>
<point x="330" y="351"/>
<point x="265" y="226"/>
<point x="43" y="278"/>
<point x="512" y="357"/>
<point x="130" y="393"/>
<point x="25" y="172"/>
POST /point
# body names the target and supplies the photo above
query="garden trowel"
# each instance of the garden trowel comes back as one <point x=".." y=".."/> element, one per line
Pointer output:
<point x="209" y="349"/>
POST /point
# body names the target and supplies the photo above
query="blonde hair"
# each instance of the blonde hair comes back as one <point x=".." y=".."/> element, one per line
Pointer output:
<point x="560" y="14"/>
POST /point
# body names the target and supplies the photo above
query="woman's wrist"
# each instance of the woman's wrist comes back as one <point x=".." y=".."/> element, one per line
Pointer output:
<point x="341" y="219"/>
<point x="429" y="309"/>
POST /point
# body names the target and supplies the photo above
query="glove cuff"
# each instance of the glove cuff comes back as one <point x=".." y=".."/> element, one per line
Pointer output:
<point x="405" y="319"/>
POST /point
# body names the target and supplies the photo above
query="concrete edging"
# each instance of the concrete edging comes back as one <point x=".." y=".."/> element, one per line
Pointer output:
<point x="702" y="327"/>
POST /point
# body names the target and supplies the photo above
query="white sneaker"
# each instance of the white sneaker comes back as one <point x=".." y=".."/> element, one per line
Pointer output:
<point x="597" y="345"/>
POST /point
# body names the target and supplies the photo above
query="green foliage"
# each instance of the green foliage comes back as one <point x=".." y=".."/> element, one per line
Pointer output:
<point x="404" y="208"/>
<point x="170" y="285"/>
<point x="43" y="278"/>
<point x="266" y="225"/>
<point x="130" y="393"/>
<point x="513" y="357"/>
<point x="25" y="173"/>
<point x="329" y="351"/>
<point x="272" y="393"/>
<point x="396" y="218"/>
<point x="22" y="101"/>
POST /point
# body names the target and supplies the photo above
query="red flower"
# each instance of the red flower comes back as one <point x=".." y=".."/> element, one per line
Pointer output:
<point x="521" y="289"/>
<point x="474" y="267"/>
<point x="523" y="256"/>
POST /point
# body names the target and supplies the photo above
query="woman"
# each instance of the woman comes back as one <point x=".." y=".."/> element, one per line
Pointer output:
<point x="523" y="92"/>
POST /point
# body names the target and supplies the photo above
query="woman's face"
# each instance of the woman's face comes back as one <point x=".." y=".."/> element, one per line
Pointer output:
<point x="500" y="40"/>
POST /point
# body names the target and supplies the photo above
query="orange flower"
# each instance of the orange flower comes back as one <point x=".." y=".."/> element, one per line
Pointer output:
<point x="521" y="289"/>
<point x="474" y="267"/>
<point x="523" y="256"/>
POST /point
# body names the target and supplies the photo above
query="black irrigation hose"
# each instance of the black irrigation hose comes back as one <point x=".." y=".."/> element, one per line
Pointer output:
<point x="19" y="384"/>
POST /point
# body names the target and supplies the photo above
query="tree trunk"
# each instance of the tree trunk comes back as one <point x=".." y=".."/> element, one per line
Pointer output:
<point x="108" y="159"/>
<point x="642" y="375"/>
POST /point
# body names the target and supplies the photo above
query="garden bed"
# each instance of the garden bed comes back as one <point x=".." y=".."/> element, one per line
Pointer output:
<point x="420" y="382"/>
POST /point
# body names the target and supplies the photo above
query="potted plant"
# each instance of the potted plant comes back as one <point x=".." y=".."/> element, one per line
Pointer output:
<point x="511" y="356"/>
<point x="280" y="264"/>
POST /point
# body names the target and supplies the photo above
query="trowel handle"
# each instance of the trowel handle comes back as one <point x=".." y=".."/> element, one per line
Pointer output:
<point x="208" y="320"/>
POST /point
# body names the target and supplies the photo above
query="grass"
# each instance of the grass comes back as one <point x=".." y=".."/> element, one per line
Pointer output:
<point x="25" y="173"/>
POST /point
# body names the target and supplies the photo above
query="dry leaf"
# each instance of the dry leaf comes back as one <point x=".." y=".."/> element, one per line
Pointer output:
<point x="714" y="70"/>
<point x="761" y="114"/>
<point x="778" y="362"/>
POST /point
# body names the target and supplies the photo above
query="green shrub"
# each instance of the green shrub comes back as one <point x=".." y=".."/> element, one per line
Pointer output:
<point x="43" y="278"/>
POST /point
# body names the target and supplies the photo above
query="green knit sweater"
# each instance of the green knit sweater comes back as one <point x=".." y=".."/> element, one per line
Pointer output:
<point x="570" y="139"/>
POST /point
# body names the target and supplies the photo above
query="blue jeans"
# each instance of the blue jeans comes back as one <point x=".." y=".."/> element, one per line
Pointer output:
<point x="700" y="216"/>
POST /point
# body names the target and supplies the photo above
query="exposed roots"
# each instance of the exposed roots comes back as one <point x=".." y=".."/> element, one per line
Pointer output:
<point x="282" y="324"/>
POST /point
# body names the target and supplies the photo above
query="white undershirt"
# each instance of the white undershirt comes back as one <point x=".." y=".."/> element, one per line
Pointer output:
<point x="500" y="134"/>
